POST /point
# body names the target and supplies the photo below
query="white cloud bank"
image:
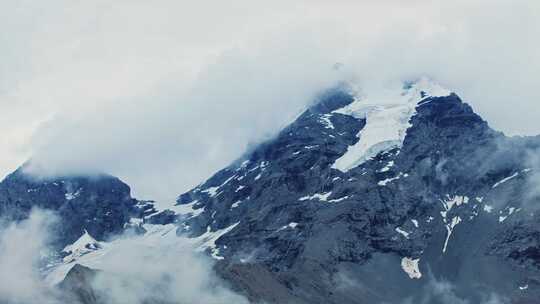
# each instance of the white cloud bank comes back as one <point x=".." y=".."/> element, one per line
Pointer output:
<point x="164" y="93"/>
<point x="137" y="273"/>
<point x="21" y="248"/>
<point x="133" y="269"/>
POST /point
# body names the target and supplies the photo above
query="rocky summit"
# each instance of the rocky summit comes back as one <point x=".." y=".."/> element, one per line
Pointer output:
<point x="360" y="202"/>
<point x="100" y="204"/>
<point x="409" y="199"/>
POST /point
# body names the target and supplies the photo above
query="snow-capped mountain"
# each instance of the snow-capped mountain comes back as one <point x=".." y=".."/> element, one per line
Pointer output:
<point x="356" y="201"/>
<point x="365" y="201"/>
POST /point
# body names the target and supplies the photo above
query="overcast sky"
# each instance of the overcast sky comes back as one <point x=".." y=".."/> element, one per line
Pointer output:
<point x="164" y="93"/>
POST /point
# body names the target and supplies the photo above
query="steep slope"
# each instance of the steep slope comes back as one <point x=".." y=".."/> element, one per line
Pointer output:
<point x="409" y="199"/>
<point x="365" y="202"/>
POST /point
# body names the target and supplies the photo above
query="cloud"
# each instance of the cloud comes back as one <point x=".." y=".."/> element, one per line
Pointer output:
<point x="22" y="246"/>
<point x="164" y="94"/>
<point x="440" y="291"/>
<point x="135" y="272"/>
<point x="134" y="268"/>
<point x="532" y="186"/>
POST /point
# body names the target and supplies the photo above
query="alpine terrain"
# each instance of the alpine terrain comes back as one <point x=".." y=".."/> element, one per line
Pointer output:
<point x="409" y="199"/>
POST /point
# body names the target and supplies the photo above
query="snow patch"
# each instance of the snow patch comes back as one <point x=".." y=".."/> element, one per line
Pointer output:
<point x="450" y="228"/>
<point x="402" y="232"/>
<point x="84" y="245"/>
<point x="504" y="180"/>
<point x="135" y="221"/>
<point x="212" y="191"/>
<point x="325" y="120"/>
<point x="337" y="200"/>
<point x="319" y="196"/>
<point x="511" y="211"/>
<point x="72" y="195"/>
<point x="291" y="225"/>
<point x="209" y="238"/>
<point x="448" y="204"/>
<point x="410" y="266"/>
<point x="387" y="167"/>
<point x="235" y="205"/>
<point x="389" y="180"/>
<point x="387" y="121"/>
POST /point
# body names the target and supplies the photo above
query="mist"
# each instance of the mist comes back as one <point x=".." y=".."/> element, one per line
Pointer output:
<point x="22" y="248"/>
<point x="164" y="94"/>
<point x="158" y="267"/>
<point x="139" y="272"/>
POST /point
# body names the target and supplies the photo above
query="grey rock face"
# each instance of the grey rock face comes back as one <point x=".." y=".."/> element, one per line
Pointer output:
<point x="77" y="286"/>
<point x="455" y="198"/>
<point x="102" y="205"/>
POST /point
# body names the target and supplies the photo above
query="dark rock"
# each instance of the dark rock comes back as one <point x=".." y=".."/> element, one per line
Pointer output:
<point x="345" y="248"/>
<point x="102" y="204"/>
<point x="163" y="218"/>
<point x="77" y="286"/>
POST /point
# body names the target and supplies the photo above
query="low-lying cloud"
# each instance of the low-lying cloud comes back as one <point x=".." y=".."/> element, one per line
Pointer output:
<point x="135" y="272"/>
<point x="137" y="269"/>
<point x="165" y="93"/>
<point x="22" y="247"/>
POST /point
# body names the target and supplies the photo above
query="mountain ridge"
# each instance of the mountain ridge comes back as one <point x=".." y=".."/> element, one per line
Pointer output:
<point x="439" y="200"/>
<point x="444" y="133"/>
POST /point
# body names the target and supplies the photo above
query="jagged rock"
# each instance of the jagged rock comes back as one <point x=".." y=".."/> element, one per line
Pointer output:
<point x="163" y="218"/>
<point x="327" y="233"/>
<point x="101" y="205"/>
<point x="77" y="286"/>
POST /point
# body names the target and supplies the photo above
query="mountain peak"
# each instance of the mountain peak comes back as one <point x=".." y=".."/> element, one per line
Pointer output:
<point x="404" y="180"/>
<point x="85" y="244"/>
<point x="387" y="119"/>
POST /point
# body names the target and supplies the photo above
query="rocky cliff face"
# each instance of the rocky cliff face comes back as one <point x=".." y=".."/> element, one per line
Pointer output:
<point x="361" y="203"/>
<point x="101" y="205"/>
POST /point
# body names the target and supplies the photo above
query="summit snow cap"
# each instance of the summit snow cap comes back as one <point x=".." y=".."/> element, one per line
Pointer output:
<point x="387" y="120"/>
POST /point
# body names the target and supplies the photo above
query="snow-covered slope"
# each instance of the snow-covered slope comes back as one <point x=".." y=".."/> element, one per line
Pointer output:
<point x="84" y="245"/>
<point x="96" y="255"/>
<point x="387" y="120"/>
<point x="157" y="236"/>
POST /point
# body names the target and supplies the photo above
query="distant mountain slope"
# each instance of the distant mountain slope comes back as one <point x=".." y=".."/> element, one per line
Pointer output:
<point x="101" y="205"/>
